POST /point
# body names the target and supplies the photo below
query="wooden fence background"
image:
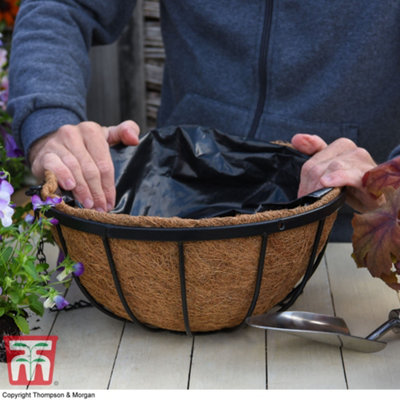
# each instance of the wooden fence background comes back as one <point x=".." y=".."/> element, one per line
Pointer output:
<point x="127" y="75"/>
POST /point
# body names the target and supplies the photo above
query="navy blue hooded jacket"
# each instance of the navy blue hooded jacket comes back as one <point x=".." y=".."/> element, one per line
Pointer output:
<point x="262" y="69"/>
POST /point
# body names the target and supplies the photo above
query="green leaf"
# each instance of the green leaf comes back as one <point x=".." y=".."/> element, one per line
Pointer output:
<point x="22" y="360"/>
<point x="29" y="267"/>
<point x="15" y="296"/>
<point x="22" y="323"/>
<point x="2" y="311"/>
<point x="39" y="360"/>
<point x="28" y="248"/>
<point x="42" y="267"/>
<point x="5" y="255"/>
<point x="41" y="291"/>
<point x="35" y="304"/>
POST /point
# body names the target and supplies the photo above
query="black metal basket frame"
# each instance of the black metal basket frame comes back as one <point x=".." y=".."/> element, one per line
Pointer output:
<point x="182" y="235"/>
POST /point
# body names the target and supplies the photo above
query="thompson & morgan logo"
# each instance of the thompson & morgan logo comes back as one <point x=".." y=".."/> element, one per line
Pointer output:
<point x="30" y="359"/>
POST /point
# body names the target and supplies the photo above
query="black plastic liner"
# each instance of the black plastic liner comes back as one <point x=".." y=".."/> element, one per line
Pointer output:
<point x="198" y="172"/>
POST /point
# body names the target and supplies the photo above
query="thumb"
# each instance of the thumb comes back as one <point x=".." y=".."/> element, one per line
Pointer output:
<point x="308" y="144"/>
<point x="126" y="132"/>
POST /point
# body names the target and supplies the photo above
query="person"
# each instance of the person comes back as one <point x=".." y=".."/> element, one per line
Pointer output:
<point x="321" y="74"/>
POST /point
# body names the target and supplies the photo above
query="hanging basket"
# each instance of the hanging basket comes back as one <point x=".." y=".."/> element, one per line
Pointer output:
<point x="195" y="275"/>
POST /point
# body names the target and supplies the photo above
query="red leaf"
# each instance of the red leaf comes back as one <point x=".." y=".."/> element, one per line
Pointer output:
<point x="376" y="239"/>
<point x="384" y="175"/>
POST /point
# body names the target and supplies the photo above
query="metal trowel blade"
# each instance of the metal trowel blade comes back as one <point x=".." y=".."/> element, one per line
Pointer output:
<point x="318" y="327"/>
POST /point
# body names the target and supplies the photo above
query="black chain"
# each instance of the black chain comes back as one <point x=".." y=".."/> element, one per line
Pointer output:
<point x="34" y="190"/>
<point x="41" y="257"/>
<point x="78" y="304"/>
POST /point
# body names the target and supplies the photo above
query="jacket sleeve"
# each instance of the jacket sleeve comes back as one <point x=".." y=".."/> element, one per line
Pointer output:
<point x="49" y="64"/>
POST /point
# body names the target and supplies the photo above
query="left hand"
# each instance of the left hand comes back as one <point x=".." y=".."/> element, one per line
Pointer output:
<point x="341" y="163"/>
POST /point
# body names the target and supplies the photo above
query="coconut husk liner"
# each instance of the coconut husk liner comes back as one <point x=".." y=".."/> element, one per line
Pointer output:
<point x="220" y="275"/>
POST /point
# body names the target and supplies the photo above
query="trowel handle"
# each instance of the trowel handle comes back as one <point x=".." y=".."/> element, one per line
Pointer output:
<point x="393" y="323"/>
<point x="395" y="315"/>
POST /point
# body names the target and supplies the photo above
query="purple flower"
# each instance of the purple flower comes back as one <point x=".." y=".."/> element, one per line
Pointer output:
<point x="50" y="201"/>
<point x="36" y="202"/>
<point x="29" y="219"/>
<point x="61" y="258"/>
<point x="60" y="302"/>
<point x="1" y="290"/>
<point x="6" y="212"/>
<point x="6" y="187"/>
<point x="54" y="221"/>
<point x="12" y="150"/>
<point x="78" y="269"/>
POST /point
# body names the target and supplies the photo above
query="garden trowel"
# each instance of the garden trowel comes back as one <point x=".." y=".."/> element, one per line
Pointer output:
<point x="326" y="329"/>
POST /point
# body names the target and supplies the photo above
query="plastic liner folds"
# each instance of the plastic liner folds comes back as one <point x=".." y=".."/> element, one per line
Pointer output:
<point x="198" y="172"/>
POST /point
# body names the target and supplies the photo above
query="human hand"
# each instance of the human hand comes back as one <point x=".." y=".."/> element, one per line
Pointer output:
<point x="79" y="156"/>
<point x="338" y="164"/>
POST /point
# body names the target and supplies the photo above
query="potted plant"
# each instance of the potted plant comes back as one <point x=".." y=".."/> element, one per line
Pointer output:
<point x="27" y="283"/>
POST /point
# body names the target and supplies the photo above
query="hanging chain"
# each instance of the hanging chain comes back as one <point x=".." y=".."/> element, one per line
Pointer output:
<point x="74" y="306"/>
<point x="40" y="255"/>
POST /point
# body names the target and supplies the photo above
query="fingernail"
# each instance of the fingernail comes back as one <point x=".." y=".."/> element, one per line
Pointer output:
<point x="99" y="209"/>
<point x="88" y="203"/>
<point x="109" y="207"/>
<point x="69" y="184"/>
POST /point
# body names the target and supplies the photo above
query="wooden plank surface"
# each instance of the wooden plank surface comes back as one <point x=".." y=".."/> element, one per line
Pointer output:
<point x="152" y="360"/>
<point x="297" y="363"/>
<point x="364" y="303"/>
<point x="87" y="344"/>
<point x="232" y="360"/>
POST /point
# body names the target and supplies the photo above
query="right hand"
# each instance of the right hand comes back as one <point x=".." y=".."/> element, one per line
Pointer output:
<point x="79" y="156"/>
<point x="341" y="163"/>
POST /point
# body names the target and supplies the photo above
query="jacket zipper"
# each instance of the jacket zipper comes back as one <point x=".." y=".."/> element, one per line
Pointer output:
<point x="262" y="68"/>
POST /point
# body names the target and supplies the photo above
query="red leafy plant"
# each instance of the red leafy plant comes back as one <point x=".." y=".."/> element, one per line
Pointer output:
<point x="376" y="234"/>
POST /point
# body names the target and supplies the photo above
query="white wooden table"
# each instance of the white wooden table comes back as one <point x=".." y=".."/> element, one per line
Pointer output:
<point x="95" y="351"/>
